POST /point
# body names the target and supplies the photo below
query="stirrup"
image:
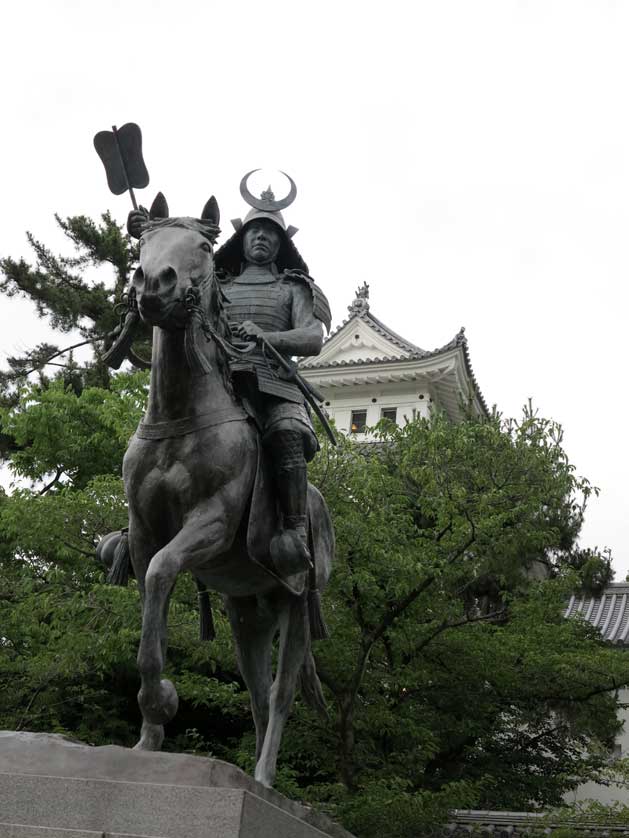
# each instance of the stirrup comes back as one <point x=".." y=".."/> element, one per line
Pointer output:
<point x="289" y="553"/>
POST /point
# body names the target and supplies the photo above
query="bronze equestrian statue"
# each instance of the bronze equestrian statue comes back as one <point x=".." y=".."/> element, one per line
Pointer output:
<point x="215" y="474"/>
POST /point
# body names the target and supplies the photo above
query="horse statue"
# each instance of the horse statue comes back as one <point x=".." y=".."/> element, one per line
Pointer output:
<point x="197" y="501"/>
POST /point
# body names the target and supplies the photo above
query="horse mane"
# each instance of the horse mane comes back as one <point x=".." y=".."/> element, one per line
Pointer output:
<point x="218" y="319"/>
<point x="214" y="307"/>
<point x="207" y="229"/>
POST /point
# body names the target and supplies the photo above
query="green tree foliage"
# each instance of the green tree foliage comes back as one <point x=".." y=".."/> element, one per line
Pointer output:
<point x="451" y="666"/>
<point x="69" y="293"/>
<point x="68" y="642"/>
<point x="452" y="678"/>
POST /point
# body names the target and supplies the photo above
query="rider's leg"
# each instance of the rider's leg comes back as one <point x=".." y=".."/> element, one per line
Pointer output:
<point x="290" y="476"/>
<point x="289" y="441"/>
<point x="289" y="549"/>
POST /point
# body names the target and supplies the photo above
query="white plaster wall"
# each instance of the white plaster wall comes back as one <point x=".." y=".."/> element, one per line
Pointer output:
<point x="613" y="793"/>
<point x="409" y="403"/>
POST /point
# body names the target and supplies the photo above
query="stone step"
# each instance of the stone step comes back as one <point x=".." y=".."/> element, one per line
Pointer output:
<point x="57" y="788"/>
<point x="14" y="830"/>
<point x="149" y="809"/>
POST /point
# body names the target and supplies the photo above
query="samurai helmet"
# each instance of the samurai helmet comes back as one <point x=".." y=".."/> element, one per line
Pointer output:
<point x="266" y="206"/>
<point x="229" y="256"/>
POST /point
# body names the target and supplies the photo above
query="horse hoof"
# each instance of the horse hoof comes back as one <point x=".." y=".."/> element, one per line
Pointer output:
<point x="159" y="706"/>
<point x="263" y="778"/>
<point x="151" y="738"/>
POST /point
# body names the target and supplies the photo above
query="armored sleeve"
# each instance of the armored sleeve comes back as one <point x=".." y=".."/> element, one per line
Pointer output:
<point x="320" y="305"/>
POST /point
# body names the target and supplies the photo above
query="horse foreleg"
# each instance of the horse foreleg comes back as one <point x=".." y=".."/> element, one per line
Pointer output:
<point x="157" y="697"/>
<point x="294" y="637"/>
<point x="143" y="545"/>
<point x="210" y="534"/>
<point x="253" y="626"/>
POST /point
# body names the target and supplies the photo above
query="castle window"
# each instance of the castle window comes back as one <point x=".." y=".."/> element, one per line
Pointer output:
<point x="389" y="413"/>
<point x="359" y="421"/>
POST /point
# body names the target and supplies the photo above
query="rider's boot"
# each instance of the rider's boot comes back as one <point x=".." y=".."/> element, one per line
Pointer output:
<point x="289" y="548"/>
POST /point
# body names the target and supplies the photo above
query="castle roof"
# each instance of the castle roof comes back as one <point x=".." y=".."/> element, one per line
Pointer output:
<point x="363" y="350"/>
<point x="609" y="611"/>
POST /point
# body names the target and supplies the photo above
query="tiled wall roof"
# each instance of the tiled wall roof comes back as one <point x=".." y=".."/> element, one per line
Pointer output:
<point x="608" y="612"/>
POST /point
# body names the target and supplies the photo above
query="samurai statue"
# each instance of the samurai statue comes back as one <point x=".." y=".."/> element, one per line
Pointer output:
<point x="271" y="300"/>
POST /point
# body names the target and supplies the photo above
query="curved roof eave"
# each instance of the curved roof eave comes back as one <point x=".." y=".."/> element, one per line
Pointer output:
<point x="414" y="354"/>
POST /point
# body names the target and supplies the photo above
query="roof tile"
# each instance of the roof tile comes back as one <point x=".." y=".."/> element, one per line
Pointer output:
<point x="608" y="612"/>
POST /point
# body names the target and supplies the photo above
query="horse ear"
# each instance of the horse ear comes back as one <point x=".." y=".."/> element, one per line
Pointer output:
<point x="159" y="207"/>
<point x="211" y="211"/>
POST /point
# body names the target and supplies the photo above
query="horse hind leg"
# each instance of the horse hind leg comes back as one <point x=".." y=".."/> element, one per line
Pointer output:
<point x="294" y="640"/>
<point x="254" y="625"/>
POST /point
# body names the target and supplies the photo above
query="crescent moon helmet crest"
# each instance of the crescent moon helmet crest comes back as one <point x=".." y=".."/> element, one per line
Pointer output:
<point x="266" y="201"/>
<point x="228" y="257"/>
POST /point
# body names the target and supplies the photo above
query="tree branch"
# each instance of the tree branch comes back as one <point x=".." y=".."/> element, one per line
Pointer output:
<point x="52" y="483"/>
<point x="56" y="355"/>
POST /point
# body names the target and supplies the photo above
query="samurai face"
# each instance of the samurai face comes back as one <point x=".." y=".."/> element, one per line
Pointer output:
<point x="261" y="242"/>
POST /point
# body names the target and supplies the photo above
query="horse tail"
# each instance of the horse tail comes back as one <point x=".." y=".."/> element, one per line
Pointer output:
<point x="310" y="685"/>
<point x="206" y="620"/>
<point x="318" y="627"/>
<point x="119" y="572"/>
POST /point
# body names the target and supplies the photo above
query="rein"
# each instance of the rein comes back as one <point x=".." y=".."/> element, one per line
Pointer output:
<point x="197" y="322"/>
<point x="197" y="318"/>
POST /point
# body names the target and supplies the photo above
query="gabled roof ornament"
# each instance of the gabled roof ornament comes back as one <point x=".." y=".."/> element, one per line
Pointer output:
<point x="360" y="305"/>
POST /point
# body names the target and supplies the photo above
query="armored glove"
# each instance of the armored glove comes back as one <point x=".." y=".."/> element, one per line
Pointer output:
<point x="135" y="220"/>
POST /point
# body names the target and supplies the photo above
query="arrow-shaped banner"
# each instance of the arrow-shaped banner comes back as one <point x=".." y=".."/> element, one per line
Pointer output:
<point x="121" y="152"/>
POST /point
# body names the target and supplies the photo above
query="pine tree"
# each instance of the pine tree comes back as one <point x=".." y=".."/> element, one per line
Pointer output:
<point x="62" y="292"/>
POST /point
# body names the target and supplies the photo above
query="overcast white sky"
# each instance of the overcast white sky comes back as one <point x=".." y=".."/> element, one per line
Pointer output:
<point x="470" y="160"/>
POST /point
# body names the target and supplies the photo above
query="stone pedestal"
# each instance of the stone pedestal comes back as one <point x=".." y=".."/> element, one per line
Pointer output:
<point x="51" y="787"/>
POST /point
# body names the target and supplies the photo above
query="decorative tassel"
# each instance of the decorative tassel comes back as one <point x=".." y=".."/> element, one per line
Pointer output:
<point x="119" y="573"/>
<point x="206" y="620"/>
<point x="196" y="358"/>
<point x="318" y="628"/>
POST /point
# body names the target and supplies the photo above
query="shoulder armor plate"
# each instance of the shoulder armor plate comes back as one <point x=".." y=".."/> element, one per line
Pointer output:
<point x="320" y="304"/>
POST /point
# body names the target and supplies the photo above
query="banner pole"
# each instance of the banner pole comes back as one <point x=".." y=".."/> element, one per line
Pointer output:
<point x="124" y="167"/>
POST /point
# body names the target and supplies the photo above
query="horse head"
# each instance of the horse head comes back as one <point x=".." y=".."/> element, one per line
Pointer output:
<point x="176" y="255"/>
